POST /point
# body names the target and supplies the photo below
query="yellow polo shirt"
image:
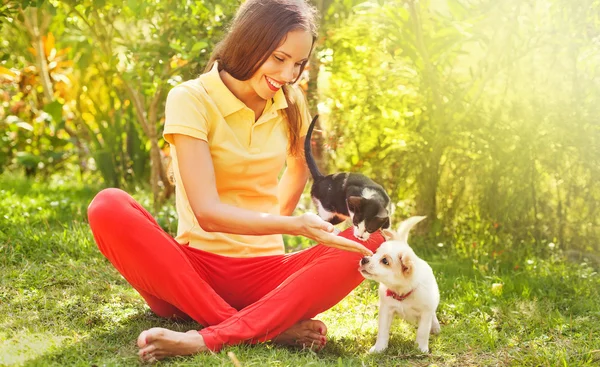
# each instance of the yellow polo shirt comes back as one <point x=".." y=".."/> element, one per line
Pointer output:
<point x="248" y="157"/>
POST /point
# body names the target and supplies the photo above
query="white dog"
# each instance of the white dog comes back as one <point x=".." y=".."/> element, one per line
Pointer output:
<point x="407" y="287"/>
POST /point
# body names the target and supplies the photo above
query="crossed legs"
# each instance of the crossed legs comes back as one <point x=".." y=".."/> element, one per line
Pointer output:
<point x="238" y="300"/>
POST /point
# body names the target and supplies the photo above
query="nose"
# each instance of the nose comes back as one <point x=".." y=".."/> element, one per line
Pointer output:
<point x="364" y="260"/>
<point x="289" y="74"/>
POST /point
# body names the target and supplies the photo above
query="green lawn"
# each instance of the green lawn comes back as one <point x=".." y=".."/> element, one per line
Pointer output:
<point x="61" y="303"/>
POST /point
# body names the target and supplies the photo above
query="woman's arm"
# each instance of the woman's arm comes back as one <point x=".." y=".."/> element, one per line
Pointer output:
<point x="215" y="216"/>
<point x="292" y="183"/>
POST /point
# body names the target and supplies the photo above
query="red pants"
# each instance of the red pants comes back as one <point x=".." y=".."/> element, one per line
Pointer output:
<point x="237" y="299"/>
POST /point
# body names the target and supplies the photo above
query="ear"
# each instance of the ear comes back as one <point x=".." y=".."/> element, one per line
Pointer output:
<point x="383" y="218"/>
<point x="389" y="235"/>
<point x="386" y="223"/>
<point x="406" y="226"/>
<point x="354" y="202"/>
<point x="407" y="265"/>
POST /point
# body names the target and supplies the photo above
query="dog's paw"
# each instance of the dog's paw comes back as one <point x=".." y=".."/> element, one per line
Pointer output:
<point x="424" y="348"/>
<point x="435" y="328"/>
<point x="377" y="348"/>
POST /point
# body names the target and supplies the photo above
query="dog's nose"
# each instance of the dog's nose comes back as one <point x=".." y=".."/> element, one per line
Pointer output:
<point x="364" y="260"/>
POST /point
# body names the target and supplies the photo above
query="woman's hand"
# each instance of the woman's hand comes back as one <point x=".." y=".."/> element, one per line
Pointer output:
<point x="321" y="231"/>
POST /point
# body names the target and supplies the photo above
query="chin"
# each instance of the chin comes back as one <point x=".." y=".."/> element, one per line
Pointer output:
<point x="367" y="275"/>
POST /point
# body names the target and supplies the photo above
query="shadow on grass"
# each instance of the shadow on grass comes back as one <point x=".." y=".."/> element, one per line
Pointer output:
<point x="116" y="346"/>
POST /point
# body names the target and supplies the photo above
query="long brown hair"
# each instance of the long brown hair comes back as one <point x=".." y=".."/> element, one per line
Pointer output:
<point x="258" y="28"/>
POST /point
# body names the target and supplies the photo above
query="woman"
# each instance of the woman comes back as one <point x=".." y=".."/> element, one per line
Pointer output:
<point x="231" y="131"/>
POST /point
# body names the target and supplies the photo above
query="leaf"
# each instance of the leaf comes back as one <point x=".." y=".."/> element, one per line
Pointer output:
<point x="457" y="9"/>
<point x="54" y="109"/>
<point x="7" y="72"/>
<point x="199" y="46"/>
<point x="49" y="43"/>
<point x="176" y="46"/>
<point x="27" y="159"/>
<point x="24" y="125"/>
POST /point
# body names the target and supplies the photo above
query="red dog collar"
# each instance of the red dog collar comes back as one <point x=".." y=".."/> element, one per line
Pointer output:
<point x="398" y="297"/>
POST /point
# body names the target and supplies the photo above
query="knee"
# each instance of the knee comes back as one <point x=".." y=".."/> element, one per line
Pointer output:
<point x="105" y="205"/>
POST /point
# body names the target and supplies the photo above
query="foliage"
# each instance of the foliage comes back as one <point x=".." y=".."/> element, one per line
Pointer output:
<point x="472" y="110"/>
<point x="126" y="58"/>
<point x="32" y="129"/>
<point x="463" y="110"/>
<point x="145" y="47"/>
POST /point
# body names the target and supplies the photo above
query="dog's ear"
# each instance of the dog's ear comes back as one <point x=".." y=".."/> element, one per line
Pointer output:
<point x="383" y="216"/>
<point x="407" y="265"/>
<point x="389" y="235"/>
<point x="354" y="203"/>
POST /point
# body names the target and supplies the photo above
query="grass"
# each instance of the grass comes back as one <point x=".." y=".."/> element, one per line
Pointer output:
<point x="62" y="304"/>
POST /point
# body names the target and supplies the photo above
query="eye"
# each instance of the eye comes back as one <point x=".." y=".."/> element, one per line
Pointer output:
<point x="278" y="58"/>
<point x="385" y="261"/>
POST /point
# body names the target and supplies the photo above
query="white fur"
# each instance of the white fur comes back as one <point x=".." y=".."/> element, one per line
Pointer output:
<point x="323" y="213"/>
<point x="405" y="272"/>
<point x="360" y="231"/>
<point x="368" y="193"/>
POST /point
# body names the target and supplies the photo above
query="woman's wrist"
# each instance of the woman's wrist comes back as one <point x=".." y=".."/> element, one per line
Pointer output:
<point x="293" y="225"/>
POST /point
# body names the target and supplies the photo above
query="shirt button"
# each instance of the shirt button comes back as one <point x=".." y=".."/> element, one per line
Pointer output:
<point x="254" y="150"/>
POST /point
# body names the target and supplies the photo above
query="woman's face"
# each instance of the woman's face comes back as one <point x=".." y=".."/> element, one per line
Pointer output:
<point x="283" y="65"/>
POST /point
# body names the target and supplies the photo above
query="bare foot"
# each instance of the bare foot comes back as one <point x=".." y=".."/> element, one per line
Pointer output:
<point x="305" y="333"/>
<point x="158" y="343"/>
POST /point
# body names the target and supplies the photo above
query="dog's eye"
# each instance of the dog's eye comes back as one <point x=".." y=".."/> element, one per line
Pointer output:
<point x="385" y="261"/>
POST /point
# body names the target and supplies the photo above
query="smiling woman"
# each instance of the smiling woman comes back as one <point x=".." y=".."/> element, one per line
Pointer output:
<point x="268" y="42"/>
<point x="232" y="130"/>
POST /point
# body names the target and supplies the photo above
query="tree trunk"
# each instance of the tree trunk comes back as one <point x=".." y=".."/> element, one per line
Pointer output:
<point x="426" y="201"/>
<point x="434" y="135"/>
<point x="312" y="96"/>
<point x="161" y="186"/>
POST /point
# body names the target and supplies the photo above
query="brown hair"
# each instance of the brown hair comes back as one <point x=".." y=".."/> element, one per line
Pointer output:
<point x="258" y="28"/>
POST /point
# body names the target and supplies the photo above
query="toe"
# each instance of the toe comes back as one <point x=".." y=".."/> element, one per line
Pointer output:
<point x="315" y="339"/>
<point x="315" y="325"/>
<point x="313" y="333"/>
<point x="147" y="352"/>
<point x="155" y="334"/>
<point x="141" y="340"/>
<point x="319" y="326"/>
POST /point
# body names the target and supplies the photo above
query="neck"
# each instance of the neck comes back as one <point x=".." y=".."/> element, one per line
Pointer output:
<point x="241" y="89"/>
<point x="402" y="289"/>
<point x="399" y="296"/>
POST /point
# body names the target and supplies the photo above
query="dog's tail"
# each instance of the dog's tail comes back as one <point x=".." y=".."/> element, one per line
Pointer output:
<point x="310" y="161"/>
<point x="406" y="226"/>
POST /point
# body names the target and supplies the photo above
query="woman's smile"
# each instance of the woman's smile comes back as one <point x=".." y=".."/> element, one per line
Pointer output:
<point x="273" y="84"/>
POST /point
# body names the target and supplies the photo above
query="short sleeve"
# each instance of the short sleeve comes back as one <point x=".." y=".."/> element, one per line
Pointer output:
<point x="185" y="114"/>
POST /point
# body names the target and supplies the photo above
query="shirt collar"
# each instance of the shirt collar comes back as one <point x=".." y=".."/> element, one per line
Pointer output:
<point x="227" y="102"/>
